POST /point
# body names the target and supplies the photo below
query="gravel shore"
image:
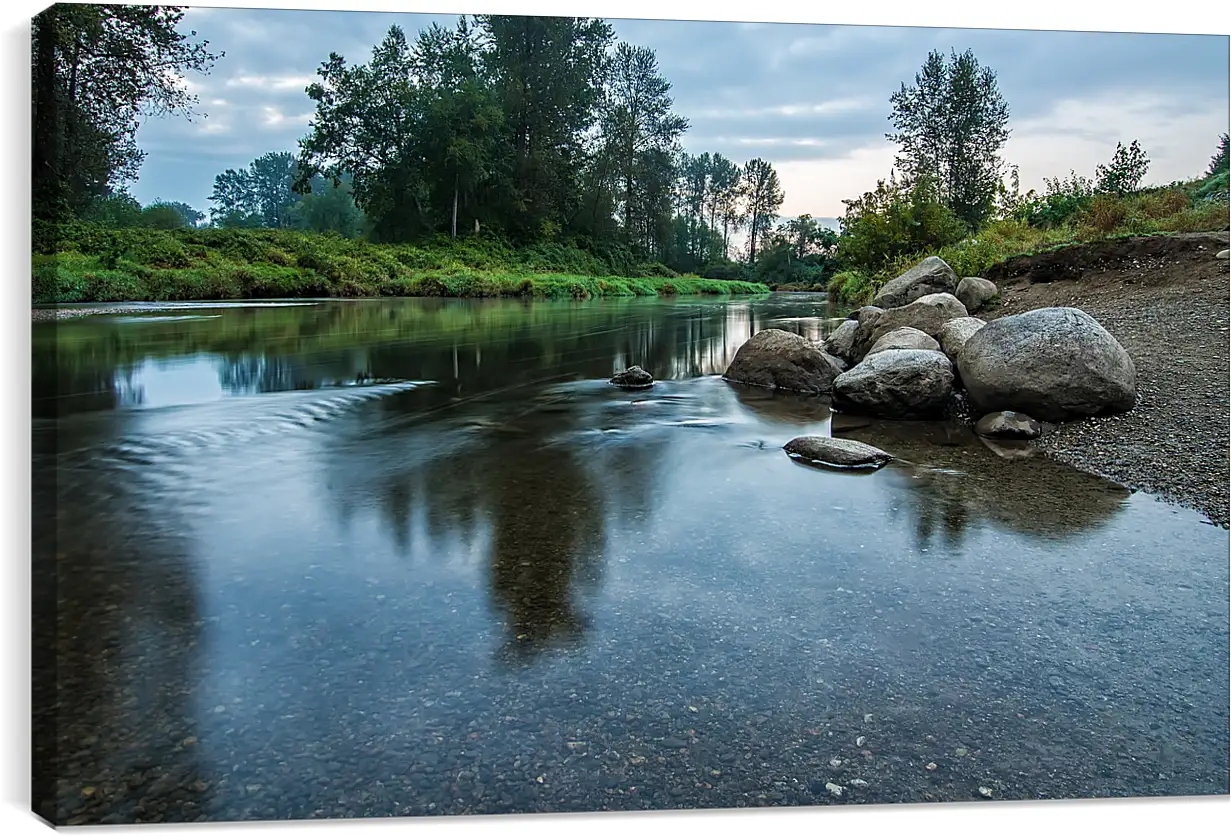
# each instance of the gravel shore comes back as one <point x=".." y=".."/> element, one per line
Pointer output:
<point x="1169" y="309"/>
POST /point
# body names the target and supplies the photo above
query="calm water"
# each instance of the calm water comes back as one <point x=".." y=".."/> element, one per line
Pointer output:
<point x="376" y="558"/>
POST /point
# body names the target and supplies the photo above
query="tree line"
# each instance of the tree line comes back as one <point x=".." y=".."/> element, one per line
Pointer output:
<point x="530" y="130"/>
<point x="526" y="128"/>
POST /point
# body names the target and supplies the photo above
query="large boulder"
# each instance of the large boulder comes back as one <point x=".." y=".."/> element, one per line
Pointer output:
<point x="907" y="337"/>
<point x="836" y="453"/>
<point x="954" y="334"/>
<point x="975" y="292"/>
<point x="841" y="340"/>
<point x="783" y="360"/>
<point x="1054" y="364"/>
<point x="896" y="384"/>
<point x="928" y="314"/>
<point x="931" y="276"/>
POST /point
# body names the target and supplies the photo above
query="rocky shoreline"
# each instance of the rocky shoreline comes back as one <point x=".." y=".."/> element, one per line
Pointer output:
<point x="1170" y="312"/>
<point x="1123" y="356"/>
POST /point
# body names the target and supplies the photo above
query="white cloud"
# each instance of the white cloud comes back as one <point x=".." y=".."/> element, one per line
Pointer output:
<point x="274" y="118"/>
<point x="1079" y="135"/>
<point x="834" y="106"/>
<point x="289" y="82"/>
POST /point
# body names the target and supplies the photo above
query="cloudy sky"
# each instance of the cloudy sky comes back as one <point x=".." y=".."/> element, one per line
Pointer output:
<point x="810" y="98"/>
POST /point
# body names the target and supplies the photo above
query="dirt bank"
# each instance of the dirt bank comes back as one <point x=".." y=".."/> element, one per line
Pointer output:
<point x="1166" y="299"/>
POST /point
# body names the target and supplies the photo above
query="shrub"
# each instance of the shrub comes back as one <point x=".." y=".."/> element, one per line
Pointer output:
<point x="1104" y="214"/>
<point x="1125" y="172"/>
<point x="896" y="219"/>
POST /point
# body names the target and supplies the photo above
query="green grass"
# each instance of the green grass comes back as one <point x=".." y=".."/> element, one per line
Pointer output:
<point x="1152" y="212"/>
<point x="85" y="263"/>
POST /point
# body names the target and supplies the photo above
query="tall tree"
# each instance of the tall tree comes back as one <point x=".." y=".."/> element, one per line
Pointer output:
<point x="637" y="122"/>
<point x="97" y="69"/>
<point x="463" y="122"/>
<point x="729" y="188"/>
<point x="951" y="125"/>
<point x="764" y="196"/>
<point x="548" y="74"/>
<point x="367" y="125"/>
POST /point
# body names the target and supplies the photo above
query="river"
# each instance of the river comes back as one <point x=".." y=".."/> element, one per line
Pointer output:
<point x="384" y="557"/>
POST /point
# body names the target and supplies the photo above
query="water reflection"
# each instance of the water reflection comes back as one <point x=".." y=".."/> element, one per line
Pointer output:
<point x="115" y="726"/>
<point x="962" y="482"/>
<point x="423" y="602"/>
<point x="472" y="346"/>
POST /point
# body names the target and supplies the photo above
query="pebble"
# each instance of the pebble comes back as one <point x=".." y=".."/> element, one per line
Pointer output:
<point x="985" y="792"/>
<point x="834" y="789"/>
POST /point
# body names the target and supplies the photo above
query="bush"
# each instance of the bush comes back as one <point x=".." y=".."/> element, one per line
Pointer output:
<point x="852" y="287"/>
<point x="895" y="220"/>
<point x="1104" y="214"/>
<point x="724" y="270"/>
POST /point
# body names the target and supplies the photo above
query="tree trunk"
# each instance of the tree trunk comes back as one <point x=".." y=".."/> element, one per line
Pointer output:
<point x="45" y="158"/>
<point x="752" y="247"/>
<point x="454" y="205"/>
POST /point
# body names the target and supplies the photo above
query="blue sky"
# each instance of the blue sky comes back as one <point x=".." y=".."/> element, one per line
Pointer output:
<point x="812" y="99"/>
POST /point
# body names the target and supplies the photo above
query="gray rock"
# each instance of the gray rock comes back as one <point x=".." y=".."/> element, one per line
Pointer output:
<point x="928" y="314"/>
<point x="906" y="337"/>
<point x="954" y="334"/>
<point x="1055" y="364"/>
<point x="841" y="340"/>
<point x="1008" y="424"/>
<point x="896" y="384"/>
<point x="1223" y="254"/>
<point x="783" y="360"/>
<point x="836" y="453"/>
<point x="931" y="276"/>
<point x="633" y="378"/>
<point x="975" y="292"/>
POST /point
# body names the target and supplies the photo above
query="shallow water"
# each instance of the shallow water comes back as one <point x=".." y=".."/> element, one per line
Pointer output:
<point x="417" y="557"/>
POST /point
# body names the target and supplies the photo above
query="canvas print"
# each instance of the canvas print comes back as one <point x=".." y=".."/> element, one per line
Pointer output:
<point x="443" y="415"/>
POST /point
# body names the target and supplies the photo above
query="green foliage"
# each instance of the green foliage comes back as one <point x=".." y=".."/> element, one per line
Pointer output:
<point x="1219" y="163"/>
<point x="951" y="125"/>
<point x="96" y="70"/>
<point x="897" y="219"/>
<point x="852" y="287"/>
<point x="1064" y="198"/>
<point x="763" y="193"/>
<point x="94" y="264"/>
<point x="725" y="269"/>
<point x="260" y="195"/>
<point x="116" y="210"/>
<point x="1124" y="174"/>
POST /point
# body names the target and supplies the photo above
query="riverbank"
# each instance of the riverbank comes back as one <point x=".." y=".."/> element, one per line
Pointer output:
<point x="80" y="263"/>
<point x="1166" y="301"/>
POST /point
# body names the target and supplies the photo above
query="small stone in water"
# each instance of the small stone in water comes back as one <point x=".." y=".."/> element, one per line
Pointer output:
<point x="931" y="766"/>
<point x="961" y="752"/>
<point x="858" y="782"/>
<point x="859" y="740"/>
<point x="834" y="789"/>
<point x="985" y="791"/>
<point x="835" y="762"/>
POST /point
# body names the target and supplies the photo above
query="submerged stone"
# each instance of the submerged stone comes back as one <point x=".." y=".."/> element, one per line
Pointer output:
<point x="633" y="378"/>
<point x="836" y="453"/>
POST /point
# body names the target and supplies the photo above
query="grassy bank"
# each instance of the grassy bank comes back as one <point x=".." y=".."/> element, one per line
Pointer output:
<point x="1152" y="212"/>
<point x="85" y="263"/>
